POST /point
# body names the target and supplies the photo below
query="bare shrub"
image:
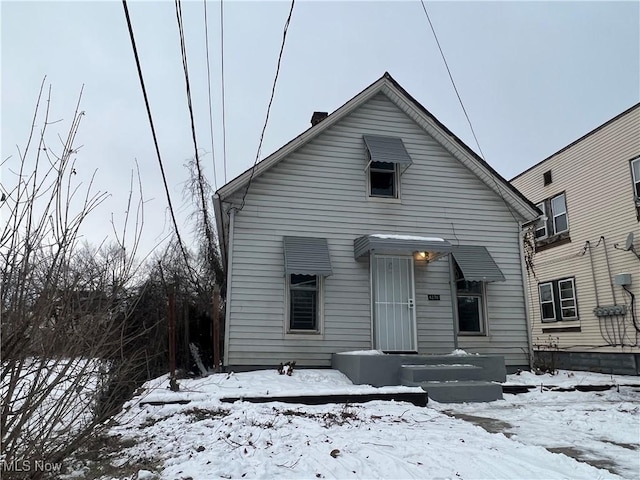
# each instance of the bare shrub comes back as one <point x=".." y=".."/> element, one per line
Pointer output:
<point x="71" y="346"/>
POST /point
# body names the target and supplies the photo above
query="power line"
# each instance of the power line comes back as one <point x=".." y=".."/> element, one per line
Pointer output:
<point x="451" y="78"/>
<point x="473" y="132"/>
<point x="273" y="91"/>
<point x="224" y="124"/>
<point x="153" y="130"/>
<point x="203" y="200"/>
<point x="206" y="42"/>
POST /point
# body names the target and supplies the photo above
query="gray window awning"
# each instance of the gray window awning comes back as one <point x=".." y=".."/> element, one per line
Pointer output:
<point x="387" y="149"/>
<point x="476" y="264"/>
<point x="398" y="244"/>
<point x="307" y="256"/>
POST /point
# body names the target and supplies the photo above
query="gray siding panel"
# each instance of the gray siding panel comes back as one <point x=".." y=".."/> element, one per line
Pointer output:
<point x="320" y="190"/>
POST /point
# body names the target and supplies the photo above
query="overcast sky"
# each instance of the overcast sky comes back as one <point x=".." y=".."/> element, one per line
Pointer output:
<point x="533" y="76"/>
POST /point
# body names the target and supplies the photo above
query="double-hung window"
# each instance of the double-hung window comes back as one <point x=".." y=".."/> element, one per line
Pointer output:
<point x="558" y="300"/>
<point x="304" y="293"/>
<point x="470" y="297"/>
<point x="635" y="175"/>
<point x="554" y="219"/>
<point x="306" y="264"/>
<point x="541" y="227"/>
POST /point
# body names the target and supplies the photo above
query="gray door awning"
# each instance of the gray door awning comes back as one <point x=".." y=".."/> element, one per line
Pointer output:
<point x="476" y="264"/>
<point x="387" y="149"/>
<point x="399" y="244"/>
<point x="307" y="256"/>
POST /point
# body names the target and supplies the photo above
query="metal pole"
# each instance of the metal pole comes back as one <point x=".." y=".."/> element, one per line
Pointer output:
<point x="216" y="328"/>
<point x="172" y="339"/>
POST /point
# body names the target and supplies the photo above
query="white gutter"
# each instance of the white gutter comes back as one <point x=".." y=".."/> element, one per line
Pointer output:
<point x="525" y="290"/>
<point x="227" y="313"/>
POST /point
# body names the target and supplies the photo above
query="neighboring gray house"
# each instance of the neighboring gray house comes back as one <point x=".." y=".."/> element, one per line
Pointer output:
<point x="376" y="228"/>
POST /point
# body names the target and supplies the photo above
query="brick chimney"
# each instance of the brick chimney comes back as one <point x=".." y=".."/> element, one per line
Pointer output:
<point x="317" y="117"/>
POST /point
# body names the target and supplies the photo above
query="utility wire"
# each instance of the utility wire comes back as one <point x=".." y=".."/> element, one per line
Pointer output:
<point x="203" y="199"/>
<point x="224" y="124"/>
<point x="451" y="78"/>
<point x="153" y="130"/>
<point x="206" y="43"/>
<point x="273" y="91"/>
<point x="455" y="88"/>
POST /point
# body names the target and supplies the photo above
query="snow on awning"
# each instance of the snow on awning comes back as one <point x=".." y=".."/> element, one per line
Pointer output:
<point x="477" y="264"/>
<point x="307" y="256"/>
<point x="398" y="244"/>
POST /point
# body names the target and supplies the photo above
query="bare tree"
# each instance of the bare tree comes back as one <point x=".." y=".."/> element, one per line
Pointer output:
<point x="72" y="347"/>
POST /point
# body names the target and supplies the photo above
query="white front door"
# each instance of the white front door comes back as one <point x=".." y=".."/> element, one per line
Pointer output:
<point x="394" y="313"/>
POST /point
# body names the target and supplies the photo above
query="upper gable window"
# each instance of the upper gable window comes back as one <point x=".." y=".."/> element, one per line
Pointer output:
<point x="383" y="180"/>
<point x="387" y="158"/>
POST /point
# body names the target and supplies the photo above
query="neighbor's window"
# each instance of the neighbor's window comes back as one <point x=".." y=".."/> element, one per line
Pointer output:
<point x="383" y="180"/>
<point x="470" y="297"/>
<point x="558" y="300"/>
<point x="304" y="293"/>
<point x="635" y="172"/>
<point x="554" y="219"/>
<point x="541" y="226"/>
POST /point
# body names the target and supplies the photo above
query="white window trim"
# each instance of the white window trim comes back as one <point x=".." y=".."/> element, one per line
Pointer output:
<point x="552" y="301"/>
<point x="636" y="181"/>
<point x="543" y="221"/>
<point x="382" y="198"/>
<point x="565" y="213"/>
<point x="317" y="334"/>
<point x="573" y="297"/>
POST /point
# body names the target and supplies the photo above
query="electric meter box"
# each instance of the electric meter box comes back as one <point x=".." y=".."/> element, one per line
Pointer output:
<point x="622" y="279"/>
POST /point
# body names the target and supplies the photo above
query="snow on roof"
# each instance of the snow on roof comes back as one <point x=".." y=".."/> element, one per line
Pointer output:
<point x="408" y="237"/>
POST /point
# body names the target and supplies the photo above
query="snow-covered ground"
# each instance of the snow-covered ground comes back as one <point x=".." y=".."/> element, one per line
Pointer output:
<point x="206" y="438"/>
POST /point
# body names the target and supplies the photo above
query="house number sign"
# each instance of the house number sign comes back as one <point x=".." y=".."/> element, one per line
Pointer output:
<point x="431" y="296"/>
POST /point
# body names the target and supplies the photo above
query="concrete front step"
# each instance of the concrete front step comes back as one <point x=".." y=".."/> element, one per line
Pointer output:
<point x="415" y="374"/>
<point x="463" y="391"/>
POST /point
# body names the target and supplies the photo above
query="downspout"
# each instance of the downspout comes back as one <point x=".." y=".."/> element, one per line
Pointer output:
<point x="227" y="314"/>
<point x="454" y="303"/>
<point x="525" y="291"/>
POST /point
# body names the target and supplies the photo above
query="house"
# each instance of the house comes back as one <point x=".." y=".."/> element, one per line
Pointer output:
<point x="584" y="280"/>
<point x="375" y="229"/>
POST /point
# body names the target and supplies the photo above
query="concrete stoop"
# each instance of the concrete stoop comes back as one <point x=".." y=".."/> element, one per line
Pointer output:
<point x="452" y="383"/>
<point x="445" y="378"/>
<point x="463" y="391"/>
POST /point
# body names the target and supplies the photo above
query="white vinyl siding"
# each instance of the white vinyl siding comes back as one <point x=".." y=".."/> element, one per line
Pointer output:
<point x="320" y="190"/>
<point x="597" y="176"/>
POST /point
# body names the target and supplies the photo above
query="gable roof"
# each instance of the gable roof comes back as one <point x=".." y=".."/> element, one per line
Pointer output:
<point x="419" y="114"/>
